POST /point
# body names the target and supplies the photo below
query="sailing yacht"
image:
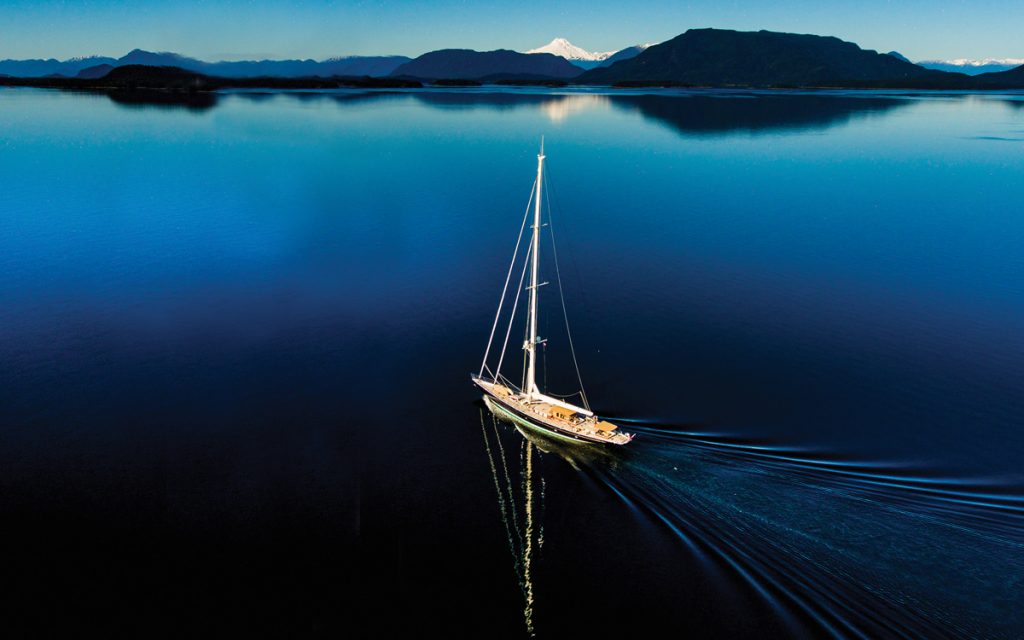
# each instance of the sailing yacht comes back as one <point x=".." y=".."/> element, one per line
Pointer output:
<point x="526" y="404"/>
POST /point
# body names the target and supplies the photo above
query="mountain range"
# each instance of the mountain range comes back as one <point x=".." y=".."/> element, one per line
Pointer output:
<point x="377" y="66"/>
<point x="973" y="67"/>
<point x="343" y="66"/>
<point x="385" y="65"/>
<point x="698" y="57"/>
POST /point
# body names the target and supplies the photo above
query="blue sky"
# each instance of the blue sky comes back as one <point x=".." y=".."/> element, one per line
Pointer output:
<point x="235" y="29"/>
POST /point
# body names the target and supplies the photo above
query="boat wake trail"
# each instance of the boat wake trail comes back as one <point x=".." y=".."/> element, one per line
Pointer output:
<point x="832" y="546"/>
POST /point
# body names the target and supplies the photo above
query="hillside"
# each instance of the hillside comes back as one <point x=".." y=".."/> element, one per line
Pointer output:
<point x="624" y="54"/>
<point x="716" y="57"/>
<point x="98" y="71"/>
<point x="1012" y="79"/>
<point x="476" y="65"/>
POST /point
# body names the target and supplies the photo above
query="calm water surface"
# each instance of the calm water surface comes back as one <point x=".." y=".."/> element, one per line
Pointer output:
<point x="235" y="339"/>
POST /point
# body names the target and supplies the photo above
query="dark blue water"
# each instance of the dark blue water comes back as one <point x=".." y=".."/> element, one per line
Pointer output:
<point x="235" y="338"/>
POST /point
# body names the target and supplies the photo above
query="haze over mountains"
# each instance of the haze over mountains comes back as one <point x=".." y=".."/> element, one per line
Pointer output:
<point x="698" y="57"/>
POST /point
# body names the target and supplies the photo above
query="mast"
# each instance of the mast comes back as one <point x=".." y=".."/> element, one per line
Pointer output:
<point x="531" y="341"/>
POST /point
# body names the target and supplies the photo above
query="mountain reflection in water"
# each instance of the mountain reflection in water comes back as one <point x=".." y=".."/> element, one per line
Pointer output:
<point x="691" y="112"/>
<point x="712" y="114"/>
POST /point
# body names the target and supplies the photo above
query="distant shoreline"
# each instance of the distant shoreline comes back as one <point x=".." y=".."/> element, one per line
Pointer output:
<point x="195" y="83"/>
<point x="456" y="87"/>
<point x="174" y="80"/>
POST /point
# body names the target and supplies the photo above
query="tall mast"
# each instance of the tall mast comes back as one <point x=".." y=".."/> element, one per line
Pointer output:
<point x="531" y="342"/>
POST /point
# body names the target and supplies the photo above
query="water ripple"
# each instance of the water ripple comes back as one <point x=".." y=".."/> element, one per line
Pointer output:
<point x="834" y="545"/>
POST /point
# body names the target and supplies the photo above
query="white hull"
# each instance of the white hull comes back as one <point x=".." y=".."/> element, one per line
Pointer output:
<point x="577" y="429"/>
<point x="500" y="410"/>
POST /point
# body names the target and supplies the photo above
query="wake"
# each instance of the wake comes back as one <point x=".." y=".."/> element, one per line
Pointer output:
<point x="833" y="546"/>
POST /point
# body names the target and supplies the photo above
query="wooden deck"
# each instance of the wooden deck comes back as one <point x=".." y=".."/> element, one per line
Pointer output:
<point x="560" y="420"/>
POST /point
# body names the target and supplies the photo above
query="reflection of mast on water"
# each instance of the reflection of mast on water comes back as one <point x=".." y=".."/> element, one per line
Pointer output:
<point x="522" y="540"/>
<point x="525" y="532"/>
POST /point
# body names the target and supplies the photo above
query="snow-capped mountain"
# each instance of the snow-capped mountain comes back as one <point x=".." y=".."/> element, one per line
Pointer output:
<point x="589" y="59"/>
<point x="565" y="49"/>
<point x="973" y="67"/>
